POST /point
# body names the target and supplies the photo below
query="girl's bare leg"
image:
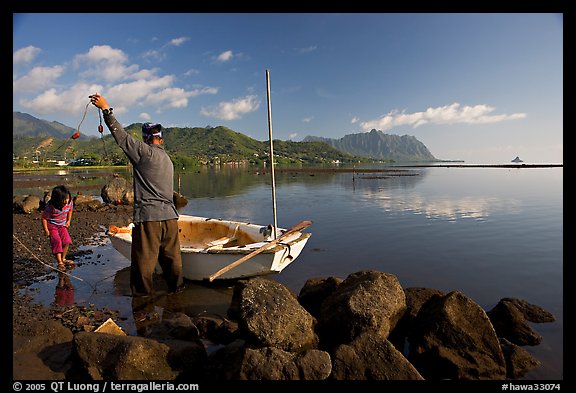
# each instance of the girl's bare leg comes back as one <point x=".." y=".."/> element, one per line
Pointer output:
<point x="60" y="261"/>
<point x="64" y="252"/>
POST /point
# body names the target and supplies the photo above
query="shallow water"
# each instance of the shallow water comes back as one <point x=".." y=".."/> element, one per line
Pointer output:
<point x="486" y="232"/>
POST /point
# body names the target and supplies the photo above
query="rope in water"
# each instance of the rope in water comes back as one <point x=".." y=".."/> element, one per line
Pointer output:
<point x="93" y="286"/>
<point x="41" y="261"/>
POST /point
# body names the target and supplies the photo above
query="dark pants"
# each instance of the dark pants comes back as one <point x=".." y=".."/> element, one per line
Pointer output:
<point x="155" y="242"/>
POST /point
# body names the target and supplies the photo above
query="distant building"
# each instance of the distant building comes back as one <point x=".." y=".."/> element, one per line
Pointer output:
<point x="517" y="159"/>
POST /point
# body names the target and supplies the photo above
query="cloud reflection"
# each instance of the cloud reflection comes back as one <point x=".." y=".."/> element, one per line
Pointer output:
<point x="445" y="207"/>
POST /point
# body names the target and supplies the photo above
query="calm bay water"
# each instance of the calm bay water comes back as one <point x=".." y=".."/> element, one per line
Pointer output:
<point x="486" y="232"/>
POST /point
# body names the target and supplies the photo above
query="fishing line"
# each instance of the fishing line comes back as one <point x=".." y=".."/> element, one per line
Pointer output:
<point x="101" y="131"/>
<point x="45" y="264"/>
<point x="93" y="286"/>
<point x="76" y="135"/>
<point x="81" y="121"/>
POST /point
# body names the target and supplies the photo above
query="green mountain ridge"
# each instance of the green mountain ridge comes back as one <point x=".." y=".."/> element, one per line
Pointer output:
<point x="378" y="145"/>
<point x="186" y="146"/>
<point x="191" y="146"/>
<point x="25" y="125"/>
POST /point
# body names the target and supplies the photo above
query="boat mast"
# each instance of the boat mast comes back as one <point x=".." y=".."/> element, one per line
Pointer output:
<point x="271" y="150"/>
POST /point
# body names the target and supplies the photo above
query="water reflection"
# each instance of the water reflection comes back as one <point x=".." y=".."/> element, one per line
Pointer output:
<point x="445" y="207"/>
<point x="214" y="182"/>
<point x="376" y="182"/>
<point x="383" y="190"/>
<point x="64" y="294"/>
<point x="194" y="300"/>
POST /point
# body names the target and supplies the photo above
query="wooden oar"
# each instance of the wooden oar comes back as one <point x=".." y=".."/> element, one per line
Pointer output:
<point x="295" y="228"/>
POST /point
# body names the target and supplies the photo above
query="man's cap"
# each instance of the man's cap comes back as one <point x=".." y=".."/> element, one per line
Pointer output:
<point x="148" y="128"/>
<point x="152" y="129"/>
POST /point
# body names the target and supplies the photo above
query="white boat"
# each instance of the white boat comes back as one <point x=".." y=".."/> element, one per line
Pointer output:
<point x="210" y="247"/>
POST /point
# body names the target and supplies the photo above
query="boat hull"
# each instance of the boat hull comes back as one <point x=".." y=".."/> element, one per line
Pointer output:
<point x="208" y="245"/>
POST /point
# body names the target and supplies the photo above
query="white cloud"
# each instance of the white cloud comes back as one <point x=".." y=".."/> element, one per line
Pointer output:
<point x="157" y="91"/>
<point x="233" y="109"/>
<point x="175" y="97"/>
<point x="449" y="114"/>
<point x="125" y="86"/>
<point x="142" y="86"/>
<point x="103" y="53"/>
<point x="144" y="116"/>
<point x="224" y="56"/>
<point x="105" y="62"/>
<point x="51" y="100"/>
<point x="292" y="136"/>
<point x="148" y="74"/>
<point x="38" y="78"/>
<point x="308" y="119"/>
<point x="354" y="120"/>
<point x="153" y="55"/>
<point x="25" y="55"/>
<point x="203" y="90"/>
<point x="138" y="92"/>
<point x="178" y="41"/>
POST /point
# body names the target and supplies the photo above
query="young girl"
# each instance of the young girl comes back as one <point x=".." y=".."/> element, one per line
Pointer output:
<point x="56" y="220"/>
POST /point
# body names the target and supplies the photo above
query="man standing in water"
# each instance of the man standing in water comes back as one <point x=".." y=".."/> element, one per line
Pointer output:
<point x="155" y="232"/>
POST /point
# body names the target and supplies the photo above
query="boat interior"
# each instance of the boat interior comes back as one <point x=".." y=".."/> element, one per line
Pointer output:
<point x="218" y="234"/>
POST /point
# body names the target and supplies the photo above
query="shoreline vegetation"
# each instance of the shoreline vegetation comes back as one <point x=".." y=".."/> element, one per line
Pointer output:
<point x="346" y="169"/>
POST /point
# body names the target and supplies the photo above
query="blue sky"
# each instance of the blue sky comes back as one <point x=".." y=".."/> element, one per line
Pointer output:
<point x="484" y="87"/>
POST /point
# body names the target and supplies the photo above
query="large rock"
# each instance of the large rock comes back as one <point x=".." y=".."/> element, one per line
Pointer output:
<point x="416" y="297"/>
<point x="237" y="361"/>
<point x="315" y="291"/>
<point x="371" y="357"/>
<point x="453" y="338"/>
<point x="118" y="192"/>
<point x="105" y="356"/>
<point x="41" y="351"/>
<point x="269" y="314"/>
<point x="518" y="360"/>
<point x="366" y="301"/>
<point x="25" y="204"/>
<point x="510" y="318"/>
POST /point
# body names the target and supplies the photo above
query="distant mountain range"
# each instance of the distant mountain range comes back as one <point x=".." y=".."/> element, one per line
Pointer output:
<point x="31" y="134"/>
<point x="24" y="125"/>
<point x="378" y="145"/>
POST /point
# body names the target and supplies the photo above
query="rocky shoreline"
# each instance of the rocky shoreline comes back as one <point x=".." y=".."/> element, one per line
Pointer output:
<point x="362" y="327"/>
<point x="36" y="327"/>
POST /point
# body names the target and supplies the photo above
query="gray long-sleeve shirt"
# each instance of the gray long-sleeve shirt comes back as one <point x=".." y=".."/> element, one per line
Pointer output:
<point x="153" y="175"/>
